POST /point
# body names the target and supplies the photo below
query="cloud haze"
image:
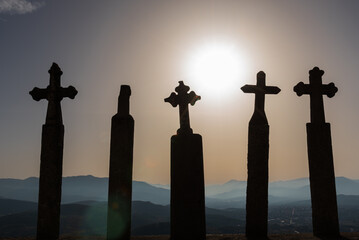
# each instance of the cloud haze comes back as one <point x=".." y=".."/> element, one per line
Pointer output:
<point x="18" y="6"/>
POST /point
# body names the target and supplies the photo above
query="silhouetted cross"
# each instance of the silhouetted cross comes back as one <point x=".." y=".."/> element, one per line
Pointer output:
<point x="54" y="93"/>
<point x="260" y="90"/>
<point x="183" y="99"/>
<point x="316" y="90"/>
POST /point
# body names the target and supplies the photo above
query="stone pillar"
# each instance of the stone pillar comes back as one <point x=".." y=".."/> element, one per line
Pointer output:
<point x="320" y="157"/>
<point x="187" y="188"/>
<point x="322" y="180"/>
<point x="257" y="184"/>
<point x="52" y="144"/>
<point x="48" y="218"/>
<point x="258" y="148"/>
<point x="120" y="177"/>
<point x="188" y="219"/>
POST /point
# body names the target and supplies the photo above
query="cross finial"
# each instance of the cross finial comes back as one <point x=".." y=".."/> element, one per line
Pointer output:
<point x="54" y="93"/>
<point x="316" y="90"/>
<point x="183" y="99"/>
<point x="259" y="116"/>
<point x="55" y="75"/>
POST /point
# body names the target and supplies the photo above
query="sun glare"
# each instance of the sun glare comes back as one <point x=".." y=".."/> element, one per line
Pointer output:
<point x="216" y="70"/>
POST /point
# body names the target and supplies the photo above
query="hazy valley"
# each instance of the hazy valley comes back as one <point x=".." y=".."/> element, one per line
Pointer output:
<point x="84" y="207"/>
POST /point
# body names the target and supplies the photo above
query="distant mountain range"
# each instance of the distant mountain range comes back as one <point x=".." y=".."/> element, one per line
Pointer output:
<point x="84" y="206"/>
<point x="80" y="188"/>
<point x="228" y="195"/>
<point x="18" y="218"/>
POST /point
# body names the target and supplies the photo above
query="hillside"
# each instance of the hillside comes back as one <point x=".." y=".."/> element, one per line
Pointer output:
<point x="84" y="207"/>
<point x="89" y="218"/>
<point x="307" y="236"/>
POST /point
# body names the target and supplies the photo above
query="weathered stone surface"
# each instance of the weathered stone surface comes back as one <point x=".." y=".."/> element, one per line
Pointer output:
<point x="188" y="219"/>
<point x="121" y="164"/>
<point x="320" y="156"/>
<point x="52" y="142"/>
<point x="258" y="147"/>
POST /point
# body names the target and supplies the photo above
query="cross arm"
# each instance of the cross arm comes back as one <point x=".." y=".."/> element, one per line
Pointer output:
<point x="271" y="90"/>
<point x="255" y="89"/>
<point x="330" y="90"/>
<point x="37" y="94"/>
<point x="301" y="89"/>
<point x="193" y="98"/>
<point x="69" y="92"/>
<point x="251" y="89"/>
<point x="172" y="99"/>
<point x="182" y="97"/>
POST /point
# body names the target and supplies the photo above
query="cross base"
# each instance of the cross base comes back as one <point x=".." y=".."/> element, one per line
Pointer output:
<point x="322" y="180"/>
<point x="257" y="184"/>
<point x="187" y="188"/>
<point x="184" y="131"/>
<point x="48" y="221"/>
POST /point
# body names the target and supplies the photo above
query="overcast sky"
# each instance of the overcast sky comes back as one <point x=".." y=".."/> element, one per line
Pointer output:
<point x="148" y="44"/>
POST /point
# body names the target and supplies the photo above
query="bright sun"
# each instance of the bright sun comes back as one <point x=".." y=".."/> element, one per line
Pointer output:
<point x="216" y="70"/>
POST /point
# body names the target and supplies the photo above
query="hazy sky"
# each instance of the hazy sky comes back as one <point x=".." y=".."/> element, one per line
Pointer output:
<point x="149" y="45"/>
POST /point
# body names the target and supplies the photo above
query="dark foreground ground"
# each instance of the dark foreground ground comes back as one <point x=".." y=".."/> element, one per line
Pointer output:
<point x="345" y="236"/>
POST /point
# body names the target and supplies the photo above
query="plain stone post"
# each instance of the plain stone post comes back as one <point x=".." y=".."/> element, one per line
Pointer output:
<point x="52" y="143"/>
<point x="121" y="164"/>
<point x="258" y="148"/>
<point x="320" y="156"/>
<point x="187" y="176"/>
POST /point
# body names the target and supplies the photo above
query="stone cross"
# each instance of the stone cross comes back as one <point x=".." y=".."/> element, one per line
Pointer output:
<point x="316" y="89"/>
<point x="54" y="93"/>
<point x="188" y="219"/>
<point x="258" y="149"/>
<point x="121" y="165"/>
<point x="183" y="99"/>
<point x="260" y="90"/>
<point x="320" y="158"/>
<point x="48" y="220"/>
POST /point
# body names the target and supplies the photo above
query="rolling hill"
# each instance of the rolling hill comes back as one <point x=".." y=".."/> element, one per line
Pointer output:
<point x="230" y="194"/>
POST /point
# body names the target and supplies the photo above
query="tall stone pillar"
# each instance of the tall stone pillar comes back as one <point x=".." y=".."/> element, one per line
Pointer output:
<point x="52" y="144"/>
<point x="320" y="156"/>
<point x="188" y="219"/>
<point x="120" y="177"/>
<point x="258" y="148"/>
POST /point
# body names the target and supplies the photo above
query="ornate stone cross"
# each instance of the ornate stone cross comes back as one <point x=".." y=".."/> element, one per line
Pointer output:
<point x="320" y="157"/>
<point x="188" y="218"/>
<point x="183" y="99"/>
<point x="54" y="93"/>
<point x="260" y="90"/>
<point x="48" y="218"/>
<point x="316" y="89"/>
